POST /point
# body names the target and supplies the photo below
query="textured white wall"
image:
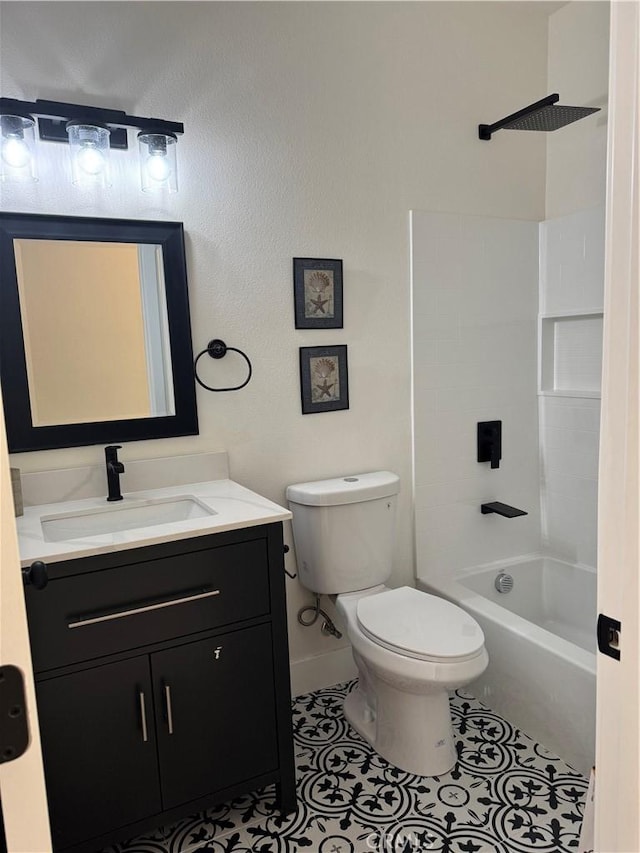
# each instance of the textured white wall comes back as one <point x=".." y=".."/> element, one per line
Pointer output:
<point x="311" y="130"/>
<point x="579" y="71"/>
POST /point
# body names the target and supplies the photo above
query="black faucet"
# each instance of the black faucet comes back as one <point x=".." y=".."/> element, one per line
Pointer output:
<point x="114" y="469"/>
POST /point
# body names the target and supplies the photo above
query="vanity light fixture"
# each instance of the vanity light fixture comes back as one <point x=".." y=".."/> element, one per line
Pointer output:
<point x="91" y="133"/>
<point x="158" y="165"/>
<point x="17" y="147"/>
<point x="89" y="153"/>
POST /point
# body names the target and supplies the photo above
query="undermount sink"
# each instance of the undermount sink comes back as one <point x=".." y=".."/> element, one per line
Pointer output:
<point x="125" y="516"/>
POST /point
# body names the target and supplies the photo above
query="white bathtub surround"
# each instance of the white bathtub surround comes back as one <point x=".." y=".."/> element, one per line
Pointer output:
<point x="572" y="293"/>
<point x="569" y="439"/>
<point x="478" y="285"/>
<point x="541" y="644"/>
<point x="475" y="304"/>
<point x="572" y="262"/>
<point x="475" y="309"/>
<point x="506" y="793"/>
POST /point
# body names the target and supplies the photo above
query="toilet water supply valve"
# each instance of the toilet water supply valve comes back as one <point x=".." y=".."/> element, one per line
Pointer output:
<point x="328" y="628"/>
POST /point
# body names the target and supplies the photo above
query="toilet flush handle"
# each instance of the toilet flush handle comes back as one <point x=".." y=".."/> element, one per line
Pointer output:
<point x="286" y="550"/>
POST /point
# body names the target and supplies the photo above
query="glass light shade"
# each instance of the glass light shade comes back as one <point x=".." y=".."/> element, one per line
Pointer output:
<point x="158" y="163"/>
<point x="89" y="151"/>
<point x="17" y="148"/>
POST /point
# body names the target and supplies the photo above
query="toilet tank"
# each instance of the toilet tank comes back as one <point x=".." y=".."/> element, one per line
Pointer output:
<point x="343" y="531"/>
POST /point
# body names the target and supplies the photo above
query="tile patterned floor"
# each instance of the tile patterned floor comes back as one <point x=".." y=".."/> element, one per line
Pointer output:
<point x="506" y="794"/>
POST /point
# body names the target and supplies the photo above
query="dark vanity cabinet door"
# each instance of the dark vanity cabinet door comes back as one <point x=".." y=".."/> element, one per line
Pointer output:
<point x="216" y="713"/>
<point x="98" y="741"/>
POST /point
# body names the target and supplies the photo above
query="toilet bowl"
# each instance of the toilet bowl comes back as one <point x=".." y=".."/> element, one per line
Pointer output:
<point x="410" y="649"/>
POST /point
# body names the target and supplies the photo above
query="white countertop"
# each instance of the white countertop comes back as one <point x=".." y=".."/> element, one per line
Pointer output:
<point x="234" y="507"/>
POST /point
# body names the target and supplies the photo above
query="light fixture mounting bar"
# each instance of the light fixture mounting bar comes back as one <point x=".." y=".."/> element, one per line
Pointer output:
<point x="53" y="115"/>
<point x="485" y="130"/>
<point x="55" y="130"/>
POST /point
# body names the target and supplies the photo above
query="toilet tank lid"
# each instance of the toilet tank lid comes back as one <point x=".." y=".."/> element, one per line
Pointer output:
<point x="345" y="490"/>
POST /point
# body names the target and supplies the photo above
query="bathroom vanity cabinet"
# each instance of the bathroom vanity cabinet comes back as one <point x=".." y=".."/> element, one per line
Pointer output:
<point x="162" y="682"/>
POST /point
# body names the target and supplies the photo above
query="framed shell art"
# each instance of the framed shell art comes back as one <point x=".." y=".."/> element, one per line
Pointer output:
<point x="324" y="379"/>
<point x="317" y="291"/>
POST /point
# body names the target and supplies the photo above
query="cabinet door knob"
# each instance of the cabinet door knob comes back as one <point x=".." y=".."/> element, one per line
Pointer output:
<point x="36" y="575"/>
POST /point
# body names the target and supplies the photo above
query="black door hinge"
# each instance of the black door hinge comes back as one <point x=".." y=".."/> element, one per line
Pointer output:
<point x="609" y="631"/>
<point x="14" y="731"/>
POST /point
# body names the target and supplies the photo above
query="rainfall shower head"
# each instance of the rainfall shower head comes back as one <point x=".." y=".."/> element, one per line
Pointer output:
<point x="544" y="115"/>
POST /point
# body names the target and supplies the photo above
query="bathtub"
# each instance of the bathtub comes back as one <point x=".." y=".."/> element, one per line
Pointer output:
<point x="541" y="642"/>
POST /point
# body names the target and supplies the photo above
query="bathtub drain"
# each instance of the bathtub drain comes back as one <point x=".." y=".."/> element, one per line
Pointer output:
<point x="504" y="582"/>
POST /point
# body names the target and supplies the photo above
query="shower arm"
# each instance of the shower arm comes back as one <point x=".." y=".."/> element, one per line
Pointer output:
<point x="485" y="130"/>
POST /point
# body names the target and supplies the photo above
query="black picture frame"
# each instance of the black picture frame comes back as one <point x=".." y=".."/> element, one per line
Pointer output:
<point x="317" y="293"/>
<point x="22" y="435"/>
<point x="324" y="373"/>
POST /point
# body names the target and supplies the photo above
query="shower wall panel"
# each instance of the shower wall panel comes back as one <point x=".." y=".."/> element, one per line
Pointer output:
<point x="571" y="281"/>
<point x="475" y="306"/>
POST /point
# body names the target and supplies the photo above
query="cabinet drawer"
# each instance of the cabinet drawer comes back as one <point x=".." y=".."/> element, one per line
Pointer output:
<point x="103" y="612"/>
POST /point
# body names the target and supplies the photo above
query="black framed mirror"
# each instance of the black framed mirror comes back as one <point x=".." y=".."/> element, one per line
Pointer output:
<point x="95" y="333"/>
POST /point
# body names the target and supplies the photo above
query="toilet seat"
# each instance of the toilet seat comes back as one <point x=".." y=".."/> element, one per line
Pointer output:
<point x="419" y="625"/>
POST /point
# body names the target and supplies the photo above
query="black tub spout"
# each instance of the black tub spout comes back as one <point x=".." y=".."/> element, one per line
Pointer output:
<point x="501" y="509"/>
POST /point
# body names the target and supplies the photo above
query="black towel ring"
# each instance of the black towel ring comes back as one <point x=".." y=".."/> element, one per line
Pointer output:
<point x="218" y="349"/>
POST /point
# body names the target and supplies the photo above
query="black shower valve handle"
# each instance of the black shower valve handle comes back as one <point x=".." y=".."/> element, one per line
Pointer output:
<point x="489" y="439"/>
<point x="495" y="455"/>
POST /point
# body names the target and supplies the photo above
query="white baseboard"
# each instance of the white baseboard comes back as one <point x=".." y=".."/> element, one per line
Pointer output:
<point x="322" y="671"/>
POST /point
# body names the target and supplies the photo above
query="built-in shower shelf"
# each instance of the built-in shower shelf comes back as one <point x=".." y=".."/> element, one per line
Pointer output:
<point x="570" y="354"/>
<point x="569" y="392"/>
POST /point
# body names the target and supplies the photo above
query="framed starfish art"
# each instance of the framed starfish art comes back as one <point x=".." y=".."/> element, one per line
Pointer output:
<point x="317" y="292"/>
<point x="324" y="379"/>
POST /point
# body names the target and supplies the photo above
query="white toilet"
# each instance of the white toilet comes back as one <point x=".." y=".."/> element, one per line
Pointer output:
<point x="410" y="647"/>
